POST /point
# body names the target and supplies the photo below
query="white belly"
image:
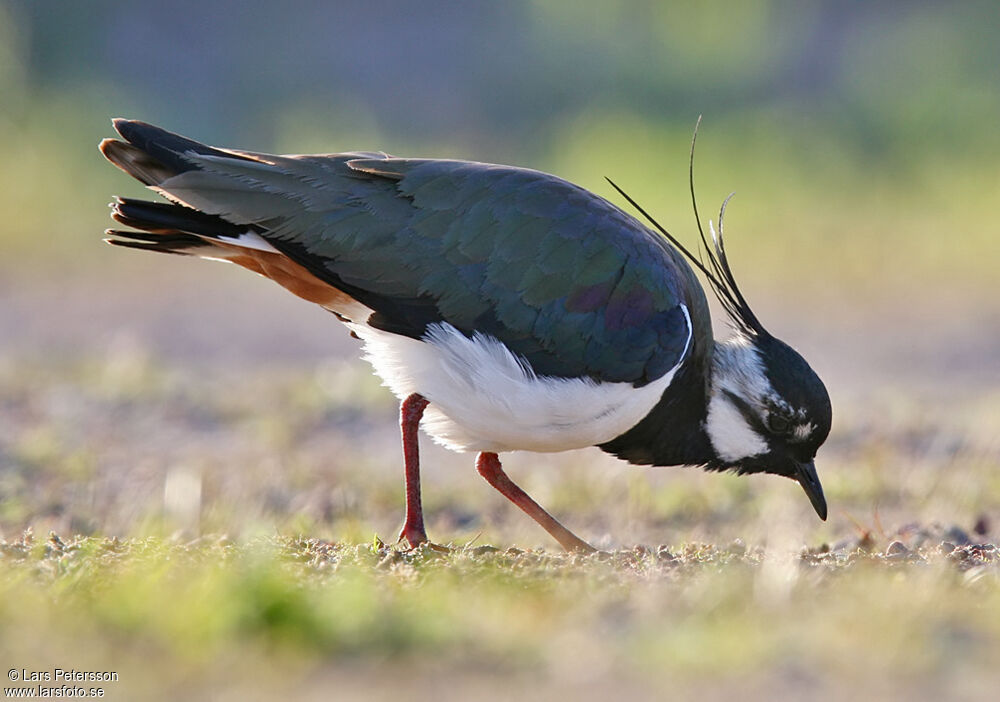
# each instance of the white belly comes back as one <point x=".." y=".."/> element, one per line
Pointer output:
<point x="483" y="398"/>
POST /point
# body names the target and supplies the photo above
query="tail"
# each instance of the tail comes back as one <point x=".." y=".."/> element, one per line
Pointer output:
<point x="200" y="219"/>
<point x="153" y="155"/>
<point x="171" y="228"/>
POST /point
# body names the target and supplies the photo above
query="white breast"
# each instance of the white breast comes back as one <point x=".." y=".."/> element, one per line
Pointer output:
<point x="483" y="398"/>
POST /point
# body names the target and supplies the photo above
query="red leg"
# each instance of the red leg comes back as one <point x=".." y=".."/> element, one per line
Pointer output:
<point x="409" y="421"/>
<point x="488" y="465"/>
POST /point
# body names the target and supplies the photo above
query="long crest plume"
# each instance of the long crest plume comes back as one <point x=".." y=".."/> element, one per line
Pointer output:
<point x="718" y="271"/>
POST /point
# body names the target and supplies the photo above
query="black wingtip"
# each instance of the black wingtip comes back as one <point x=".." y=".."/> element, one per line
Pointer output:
<point x="132" y="130"/>
<point x="125" y="126"/>
<point x="168" y="148"/>
<point x="142" y="134"/>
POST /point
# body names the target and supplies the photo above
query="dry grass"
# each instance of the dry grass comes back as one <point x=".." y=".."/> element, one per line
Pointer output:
<point x="211" y="618"/>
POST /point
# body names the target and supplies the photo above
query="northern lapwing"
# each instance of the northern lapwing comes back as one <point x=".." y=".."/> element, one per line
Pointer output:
<point x="508" y="309"/>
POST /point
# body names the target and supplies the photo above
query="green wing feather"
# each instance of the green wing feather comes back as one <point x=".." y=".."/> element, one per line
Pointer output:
<point x="562" y="277"/>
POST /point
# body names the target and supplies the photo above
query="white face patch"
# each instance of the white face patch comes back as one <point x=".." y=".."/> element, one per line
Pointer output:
<point x="732" y="438"/>
<point x="737" y="370"/>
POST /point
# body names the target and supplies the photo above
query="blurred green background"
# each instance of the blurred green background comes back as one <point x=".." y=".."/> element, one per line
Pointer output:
<point x="149" y="395"/>
<point x="860" y="138"/>
<point x="864" y="134"/>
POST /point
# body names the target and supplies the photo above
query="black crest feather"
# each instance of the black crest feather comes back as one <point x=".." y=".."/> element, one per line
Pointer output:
<point x="718" y="271"/>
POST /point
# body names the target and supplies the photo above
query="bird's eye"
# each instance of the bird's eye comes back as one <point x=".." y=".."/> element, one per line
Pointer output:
<point x="777" y="423"/>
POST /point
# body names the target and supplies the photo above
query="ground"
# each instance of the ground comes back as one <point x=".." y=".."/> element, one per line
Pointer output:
<point x="294" y="618"/>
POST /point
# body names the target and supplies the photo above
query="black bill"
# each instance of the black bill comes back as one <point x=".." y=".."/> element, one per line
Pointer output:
<point x="805" y="473"/>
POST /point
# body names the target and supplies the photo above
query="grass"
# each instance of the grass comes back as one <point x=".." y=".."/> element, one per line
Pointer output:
<point x="281" y="613"/>
<point x="202" y="548"/>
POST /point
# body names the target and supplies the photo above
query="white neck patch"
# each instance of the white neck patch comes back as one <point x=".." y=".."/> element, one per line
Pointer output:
<point x="736" y="369"/>
<point x="732" y="438"/>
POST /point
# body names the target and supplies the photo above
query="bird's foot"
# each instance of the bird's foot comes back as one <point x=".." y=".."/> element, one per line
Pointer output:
<point x="573" y="544"/>
<point x="414" y="538"/>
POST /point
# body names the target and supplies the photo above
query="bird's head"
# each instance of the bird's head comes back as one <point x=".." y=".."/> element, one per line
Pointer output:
<point x="768" y="412"/>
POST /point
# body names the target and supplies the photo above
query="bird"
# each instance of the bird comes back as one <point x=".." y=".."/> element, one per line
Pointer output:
<point x="506" y="308"/>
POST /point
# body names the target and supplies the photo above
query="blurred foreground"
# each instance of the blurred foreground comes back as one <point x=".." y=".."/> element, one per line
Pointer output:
<point x="280" y="618"/>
